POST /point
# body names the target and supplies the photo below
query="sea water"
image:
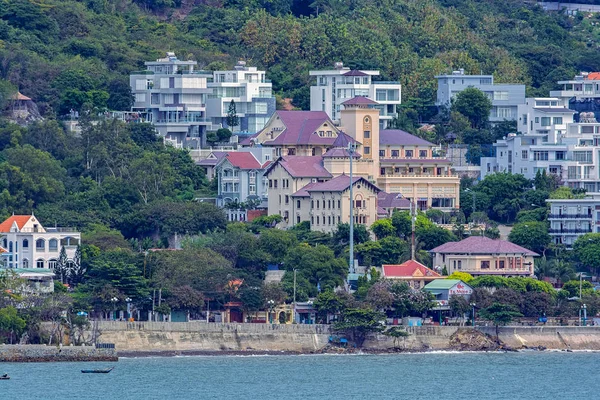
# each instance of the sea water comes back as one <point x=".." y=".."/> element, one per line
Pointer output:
<point x="464" y="376"/>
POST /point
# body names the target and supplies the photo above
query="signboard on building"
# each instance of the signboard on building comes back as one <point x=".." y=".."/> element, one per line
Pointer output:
<point x="460" y="289"/>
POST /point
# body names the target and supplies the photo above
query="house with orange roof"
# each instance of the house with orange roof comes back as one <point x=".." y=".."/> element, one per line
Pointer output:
<point x="28" y="244"/>
<point x="415" y="274"/>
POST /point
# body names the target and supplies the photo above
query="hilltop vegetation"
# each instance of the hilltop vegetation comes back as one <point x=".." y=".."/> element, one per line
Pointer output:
<point x="66" y="53"/>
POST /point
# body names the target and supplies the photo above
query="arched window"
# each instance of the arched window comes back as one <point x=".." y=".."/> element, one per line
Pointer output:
<point x="10" y="246"/>
<point x="4" y="243"/>
<point x="39" y="263"/>
<point x="53" y="245"/>
<point x="25" y="243"/>
<point x="40" y="245"/>
<point x="25" y="263"/>
<point x="52" y="263"/>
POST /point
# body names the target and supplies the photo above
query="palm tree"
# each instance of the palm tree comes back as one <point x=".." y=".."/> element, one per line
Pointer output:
<point x="544" y="268"/>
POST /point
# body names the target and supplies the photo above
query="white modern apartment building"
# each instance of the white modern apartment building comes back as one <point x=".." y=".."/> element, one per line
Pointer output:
<point x="567" y="149"/>
<point x="28" y="244"/>
<point x="571" y="218"/>
<point x="545" y="116"/>
<point x="334" y="87"/>
<point x="505" y="97"/>
<point x="172" y="96"/>
<point x="251" y="93"/>
<point x="582" y="93"/>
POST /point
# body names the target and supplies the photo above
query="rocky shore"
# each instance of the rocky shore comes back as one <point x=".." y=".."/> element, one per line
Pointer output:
<point x="42" y="353"/>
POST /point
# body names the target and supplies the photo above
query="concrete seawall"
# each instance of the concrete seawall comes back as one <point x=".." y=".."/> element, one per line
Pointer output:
<point x="41" y="353"/>
<point x="215" y="337"/>
<point x="198" y="336"/>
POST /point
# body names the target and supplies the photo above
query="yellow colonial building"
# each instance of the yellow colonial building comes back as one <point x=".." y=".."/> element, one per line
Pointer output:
<point x="312" y="151"/>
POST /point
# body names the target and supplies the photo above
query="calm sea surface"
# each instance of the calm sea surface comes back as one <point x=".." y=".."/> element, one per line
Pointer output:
<point x="478" y="376"/>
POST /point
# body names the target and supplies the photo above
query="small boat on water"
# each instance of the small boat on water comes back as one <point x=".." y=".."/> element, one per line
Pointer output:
<point x="4" y="377"/>
<point x="97" y="371"/>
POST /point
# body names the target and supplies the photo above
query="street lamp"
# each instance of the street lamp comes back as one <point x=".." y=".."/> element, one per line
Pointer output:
<point x="473" y="307"/>
<point x="128" y="300"/>
<point x="114" y="302"/>
<point x="271" y="304"/>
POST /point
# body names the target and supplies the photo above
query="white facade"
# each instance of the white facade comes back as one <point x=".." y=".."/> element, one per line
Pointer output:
<point x="569" y="150"/>
<point x="505" y="97"/>
<point x="583" y="86"/>
<point x="172" y="96"/>
<point x="572" y="218"/>
<point x="251" y="93"/>
<point x="333" y="87"/>
<point x="29" y="245"/>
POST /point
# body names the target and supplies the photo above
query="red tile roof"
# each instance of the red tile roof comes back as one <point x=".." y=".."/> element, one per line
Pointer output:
<point x="302" y="166"/>
<point x="408" y="269"/>
<point x="243" y="160"/>
<point x="340" y="184"/>
<point x="359" y="100"/>
<point x="21" y="220"/>
<point x="482" y="245"/>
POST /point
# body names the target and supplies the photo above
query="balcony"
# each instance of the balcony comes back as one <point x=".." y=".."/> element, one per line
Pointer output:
<point x="570" y="216"/>
<point x="570" y="231"/>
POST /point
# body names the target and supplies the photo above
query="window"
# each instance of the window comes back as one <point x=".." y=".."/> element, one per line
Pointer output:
<point x="298" y="204"/>
<point x="317" y="220"/>
<point x="328" y="204"/>
<point x="312" y="204"/>
<point x="53" y="245"/>
<point x="485" y="265"/>
<point x="367" y="150"/>
<point x="329" y="220"/>
<point x="52" y="263"/>
<point x="317" y="206"/>
<point x="560" y="155"/>
<point x="270" y="183"/>
<point x="524" y="154"/>
<point x="395" y="153"/>
<point x="557" y="121"/>
<point x="252" y="189"/>
<point x="140" y="97"/>
<point x="25" y="243"/>
<point x="540" y="155"/>
<point x="367" y="134"/>
<point x="291" y="151"/>
<point x="546" y="121"/>
<point x="39" y="263"/>
<point x="408" y="153"/>
<point x="524" y="119"/>
<point x="287" y="199"/>
<point x="501" y="95"/>
<point x="501" y="264"/>
<point x="339" y="204"/>
<point x="155" y="98"/>
<point x="25" y="263"/>
<point x="583" y="156"/>
<point x="381" y="153"/>
<point x="275" y="183"/>
<point x="504" y="112"/>
<point x="422" y="153"/>
<point x="40" y="244"/>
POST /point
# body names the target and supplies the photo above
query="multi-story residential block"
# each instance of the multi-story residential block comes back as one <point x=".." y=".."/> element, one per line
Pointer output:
<point x="505" y="97"/>
<point x="172" y="96"/>
<point x="240" y="179"/>
<point x="582" y="93"/>
<point x="479" y="255"/>
<point x="571" y="152"/>
<point x="544" y="115"/>
<point x="334" y="87"/>
<point x="571" y="218"/>
<point x="250" y="92"/>
<point x="29" y="245"/>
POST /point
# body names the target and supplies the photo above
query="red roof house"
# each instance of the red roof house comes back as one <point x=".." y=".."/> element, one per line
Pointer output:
<point x="412" y="272"/>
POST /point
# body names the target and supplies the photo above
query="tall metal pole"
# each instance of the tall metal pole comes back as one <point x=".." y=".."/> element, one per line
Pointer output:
<point x="351" y="256"/>
<point x="413" y="213"/>
<point x="294" y="312"/>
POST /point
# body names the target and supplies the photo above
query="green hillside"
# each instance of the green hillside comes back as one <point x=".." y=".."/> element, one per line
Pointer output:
<point x="64" y="53"/>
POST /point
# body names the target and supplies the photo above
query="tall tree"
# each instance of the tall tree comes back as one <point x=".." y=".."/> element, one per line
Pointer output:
<point x="232" y="118"/>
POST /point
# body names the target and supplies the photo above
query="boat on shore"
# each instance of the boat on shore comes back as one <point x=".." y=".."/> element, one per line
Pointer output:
<point x="97" y="371"/>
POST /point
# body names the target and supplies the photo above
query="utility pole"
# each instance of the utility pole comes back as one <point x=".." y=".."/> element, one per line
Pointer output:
<point x="351" y="149"/>
<point x="294" y="312"/>
<point x="413" y="219"/>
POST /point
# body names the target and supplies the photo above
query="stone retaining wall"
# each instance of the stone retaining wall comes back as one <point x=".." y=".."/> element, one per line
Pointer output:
<point x="41" y="353"/>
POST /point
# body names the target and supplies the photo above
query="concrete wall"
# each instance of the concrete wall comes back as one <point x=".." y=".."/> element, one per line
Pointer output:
<point x="200" y="336"/>
<point x="41" y="353"/>
<point x="551" y="337"/>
